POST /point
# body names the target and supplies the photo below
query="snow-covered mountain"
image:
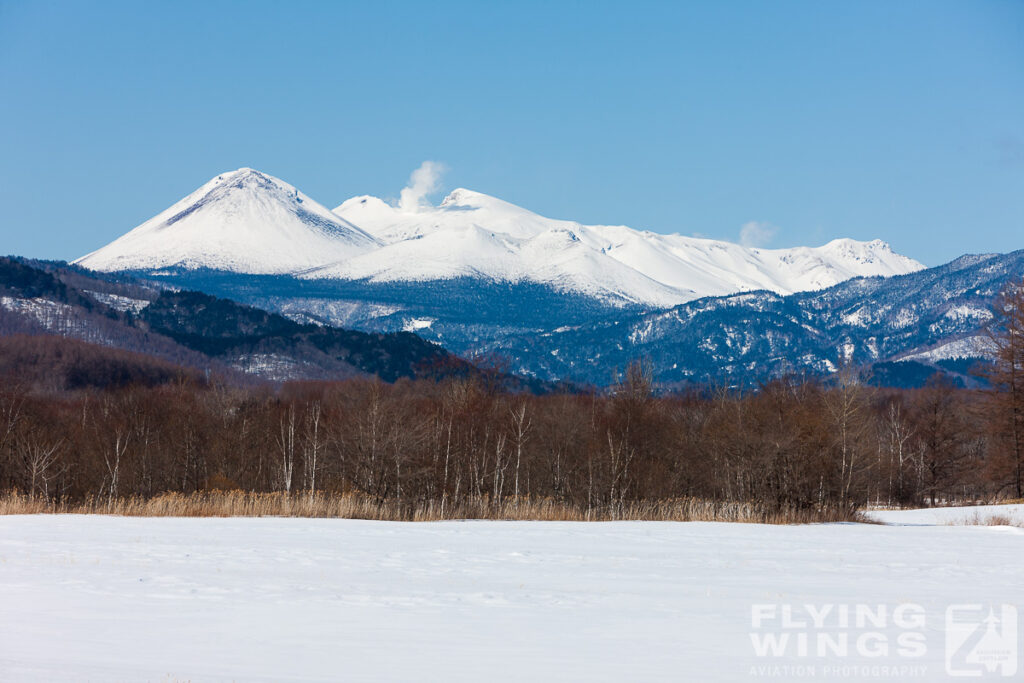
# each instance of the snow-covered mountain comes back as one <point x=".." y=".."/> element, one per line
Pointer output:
<point x="558" y="299"/>
<point x="474" y="235"/>
<point x="905" y="328"/>
<point x="247" y="222"/>
<point x="244" y="222"/>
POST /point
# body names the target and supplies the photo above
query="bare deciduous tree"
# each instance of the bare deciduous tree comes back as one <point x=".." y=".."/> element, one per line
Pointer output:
<point x="40" y="458"/>
<point x="286" y="446"/>
<point x="1006" y="334"/>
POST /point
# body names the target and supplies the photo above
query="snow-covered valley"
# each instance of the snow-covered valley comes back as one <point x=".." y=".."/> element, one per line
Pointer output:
<point x="164" y="599"/>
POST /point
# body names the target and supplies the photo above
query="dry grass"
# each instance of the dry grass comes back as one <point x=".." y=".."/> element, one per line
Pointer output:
<point x="352" y="506"/>
<point x="989" y="520"/>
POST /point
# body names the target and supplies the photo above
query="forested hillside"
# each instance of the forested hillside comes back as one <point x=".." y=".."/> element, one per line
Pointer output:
<point x="200" y="331"/>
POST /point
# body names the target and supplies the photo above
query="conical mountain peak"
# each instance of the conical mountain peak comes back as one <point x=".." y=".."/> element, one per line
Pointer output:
<point x="241" y="221"/>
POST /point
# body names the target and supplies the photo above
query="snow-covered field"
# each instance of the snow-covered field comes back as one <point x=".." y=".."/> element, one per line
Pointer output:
<point x="980" y="514"/>
<point x="108" y="598"/>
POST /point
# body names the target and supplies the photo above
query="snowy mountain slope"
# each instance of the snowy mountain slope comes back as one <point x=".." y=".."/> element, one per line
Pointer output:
<point x="243" y="221"/>
<point x="556" y="257"/>
<point x="459" y="209"/>
<point x="472" y="234"/>
<point x="247" y="222"/>
<point x="478" y="274"/>
<point x="928" y="317"/>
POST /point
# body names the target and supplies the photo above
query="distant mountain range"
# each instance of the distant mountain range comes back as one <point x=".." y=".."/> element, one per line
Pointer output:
<point x="903" y="328"/>
<point x="247" y="222"/>
<point x="561" y="300"/>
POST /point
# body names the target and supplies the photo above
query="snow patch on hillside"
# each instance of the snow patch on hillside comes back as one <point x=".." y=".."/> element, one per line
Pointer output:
<point x="125" y="304"/>
<point x="976" y="346"/>
<point x="52" y="315"/>
<point x="415" y="324"/>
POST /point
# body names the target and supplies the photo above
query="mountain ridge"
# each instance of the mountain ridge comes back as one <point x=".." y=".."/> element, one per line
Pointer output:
<point x="562" y="301"/>
<point x="925" y="318"/>
<point x="672" y="268"/>
<point x="898" y="330"/>
<point x="249" y="222"/>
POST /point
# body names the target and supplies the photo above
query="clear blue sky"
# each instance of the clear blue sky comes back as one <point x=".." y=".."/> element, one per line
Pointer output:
<point x="898" y="120"/>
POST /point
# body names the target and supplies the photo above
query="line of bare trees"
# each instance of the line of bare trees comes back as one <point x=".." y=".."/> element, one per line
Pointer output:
<point x="794" y="444"/>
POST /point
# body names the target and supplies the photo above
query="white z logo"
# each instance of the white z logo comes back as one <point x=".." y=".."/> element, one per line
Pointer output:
<point x="979" y="639"/>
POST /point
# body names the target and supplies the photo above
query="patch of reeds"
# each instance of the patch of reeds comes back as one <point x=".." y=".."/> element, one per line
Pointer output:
<point x="356" y="506"/>
<point x="987" y="520"/>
